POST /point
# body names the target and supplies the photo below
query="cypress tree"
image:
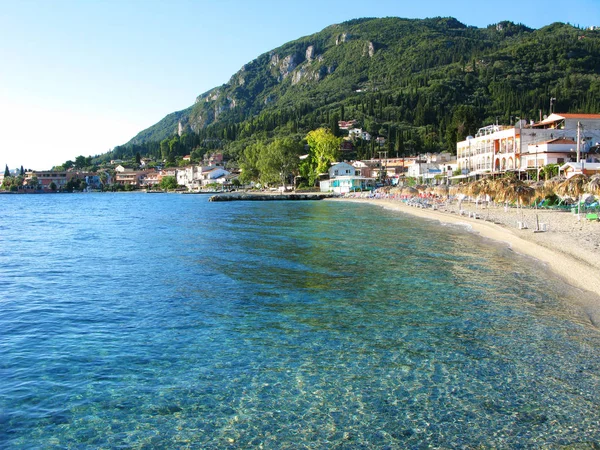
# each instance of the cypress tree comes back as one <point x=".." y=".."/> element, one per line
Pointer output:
<point x="6" y="172"/>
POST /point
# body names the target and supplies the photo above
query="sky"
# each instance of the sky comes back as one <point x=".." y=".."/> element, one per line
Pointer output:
<point x="81" y="77"/>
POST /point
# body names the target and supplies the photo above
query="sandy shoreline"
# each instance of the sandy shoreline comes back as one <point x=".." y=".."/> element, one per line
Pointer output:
<point x="570" y="247"/>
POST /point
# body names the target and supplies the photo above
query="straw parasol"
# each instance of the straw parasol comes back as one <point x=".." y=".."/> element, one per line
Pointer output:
<point x="442" y="190"/>
<point x="408" y="190"/>
<point x="541" y="191"/>
<point x="502" y="189"/>
<point x="573" y="187"/>
<point x="457" y="189"/>
<point x="551" y="184"/>
<point x="524" y="194"/>
<point x="593" y="187"/>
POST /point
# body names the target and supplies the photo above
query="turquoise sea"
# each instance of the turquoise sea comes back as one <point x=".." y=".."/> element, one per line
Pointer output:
<point x="165" y="321"/>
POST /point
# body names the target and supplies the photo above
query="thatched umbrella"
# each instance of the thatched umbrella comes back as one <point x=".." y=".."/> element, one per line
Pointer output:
<point x="421" y="188"/>
<point x="501" y="189"/>
<point x="442" y="190"/>
<point x="472" y="189"/>
<point x="541" y="191"/>
<point x="457" y="189"/>
<point x="573" y="187"/>
<point x="593" y="187"/>
<point x="408" y="190"/>
<point x="524" y="193"/>
<point x="510" y="190"/>
<point x="552" y="184"/>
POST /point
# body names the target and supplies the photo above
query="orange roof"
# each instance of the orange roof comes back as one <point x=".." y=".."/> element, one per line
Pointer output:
<point x="579" y="116"/>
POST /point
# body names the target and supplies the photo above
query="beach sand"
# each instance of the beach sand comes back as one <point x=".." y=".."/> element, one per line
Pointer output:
<point x="570" y="247"/>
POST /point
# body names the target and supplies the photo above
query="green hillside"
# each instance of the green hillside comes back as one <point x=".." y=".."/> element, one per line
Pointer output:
<point x="422" y="84"/>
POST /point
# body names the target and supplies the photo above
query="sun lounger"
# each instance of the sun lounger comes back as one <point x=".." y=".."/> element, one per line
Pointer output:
<point x="592" y="216"/>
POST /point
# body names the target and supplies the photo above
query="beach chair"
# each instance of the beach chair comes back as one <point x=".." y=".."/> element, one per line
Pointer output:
<point x="592" y="216"/>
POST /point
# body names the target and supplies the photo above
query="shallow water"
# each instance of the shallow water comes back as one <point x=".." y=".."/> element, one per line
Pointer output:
<point x="135" y="320"/>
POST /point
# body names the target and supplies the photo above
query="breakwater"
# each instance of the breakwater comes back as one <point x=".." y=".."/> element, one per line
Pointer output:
<point x="267" y="197"/>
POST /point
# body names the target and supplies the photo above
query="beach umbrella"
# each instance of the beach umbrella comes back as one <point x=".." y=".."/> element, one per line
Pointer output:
<point x="395" y="190"/>
<point x="541" y="191"/>
<point x="501" y="189"/>
<point x="524" y="194"/>
<point x="593" y="187"/>
<point x="573" y="187"/>
<point x="551" y="184"/>
<point x="472" y="189"/>
<point x="442" y="190"/>
<point x="421" y="188"/>
<point x="497" y="188"/>
<point x="407" y="190"/>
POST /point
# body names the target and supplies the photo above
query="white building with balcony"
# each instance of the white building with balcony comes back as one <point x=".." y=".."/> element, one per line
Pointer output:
<point x="498" y="148"/>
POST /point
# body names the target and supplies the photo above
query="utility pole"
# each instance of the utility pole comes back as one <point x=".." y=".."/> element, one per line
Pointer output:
<point x="578" y="141"/>
<point x="383" y="170"/>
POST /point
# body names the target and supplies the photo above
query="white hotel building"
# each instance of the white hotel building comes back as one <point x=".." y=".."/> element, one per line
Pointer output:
<point x="498" y="148"/>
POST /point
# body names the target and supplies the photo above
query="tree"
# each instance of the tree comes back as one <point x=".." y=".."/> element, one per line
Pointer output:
<point x="324" y="149"/>
<point x="168" y="182"/>
<point x="6" y="172"/>
<point x="53" y="186"/>
<point x="278" y="160"/>
<point x="34" y="182"/>
<point x="138" y="158"/>
<point x="103" y="178"/>
<point x="22" y="171"/>
<point x="80" y="162"/>
<point x="249" y="162"/>
<point x="464" y="123"/>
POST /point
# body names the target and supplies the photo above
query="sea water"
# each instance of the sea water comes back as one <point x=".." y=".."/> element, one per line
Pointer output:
<point x="166" y="321"/>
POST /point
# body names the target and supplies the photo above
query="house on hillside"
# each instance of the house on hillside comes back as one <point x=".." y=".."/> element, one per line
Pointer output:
<point x="346" y="146"/>
<point x="130" y="177"/>
<point x="343" y="178"/>
<point x="213" y="159"/>
<point x="346" y="124"/>
<point x="214" y="175"/>
<point x="355" y="133"/>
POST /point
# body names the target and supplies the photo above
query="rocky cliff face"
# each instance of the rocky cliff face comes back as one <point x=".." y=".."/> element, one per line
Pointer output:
<point x="347" y="54"/>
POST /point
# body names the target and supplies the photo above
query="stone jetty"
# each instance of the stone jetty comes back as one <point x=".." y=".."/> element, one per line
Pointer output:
<point x="267" y="197"/>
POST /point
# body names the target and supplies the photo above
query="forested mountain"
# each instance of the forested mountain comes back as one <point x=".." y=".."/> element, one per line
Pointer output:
<point x="422" y="84"/>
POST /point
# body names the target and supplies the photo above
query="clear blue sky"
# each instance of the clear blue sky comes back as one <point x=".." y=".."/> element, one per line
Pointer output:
<point x="80" y="77"/>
